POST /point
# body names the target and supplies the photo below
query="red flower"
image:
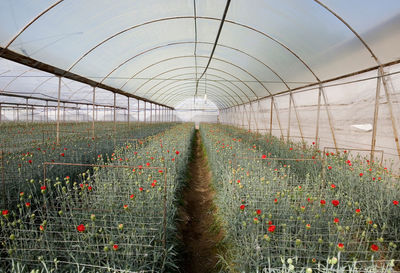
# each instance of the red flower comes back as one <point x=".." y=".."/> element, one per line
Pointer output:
<point x="148" y="164"/>
<point x="275" y="200"/>
<point x="153" y="184"/>
<point x="62" y="154"/>
<point x="340" y="246"/>
<point x="290" y="148"/>
<point x="322" y="202"/>
<point x="335" y="203"/>
<point x="329" y="167"/>
<point x="313" y="143"/>
<point x="263" y="156"/>
<point x="41" y="228"/>
<point x="271" y="228"/>
<point x="177" y="152"/>
<point x="160" y="171"/>
<point x="90" y="188"/>
<point x="67" y="177"/>
<point x="80" y="228"/>
<point x="358" y="211"/>
<point x="242" y="207"/>
<point x="115" y="247"/>
<point x="348" y="161"/>
<point x="30" y="161"/>
<point x="4" y="212"/>
<point x="258" y="212"/>
<point x="333" y="186"/>
<point x="125" y="207"/>
<point x="395" y="202"/>
<point x="43" y="188"/>
<point x="374" y="248"/>
<point x="81" y="185"/>
<point x="361" y="174"/>
<point x="27" y="204"/>
<point x="140" y="167"/>
<point x="336" y="220"/>
<point x="132" y="196"/>
<point x="140" y="189"/>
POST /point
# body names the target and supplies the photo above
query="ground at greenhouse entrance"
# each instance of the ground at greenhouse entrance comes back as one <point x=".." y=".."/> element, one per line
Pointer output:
<point x="197" y="216"/>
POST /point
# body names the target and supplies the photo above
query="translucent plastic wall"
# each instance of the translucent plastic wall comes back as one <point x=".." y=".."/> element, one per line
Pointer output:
<point x="346" y="111"/>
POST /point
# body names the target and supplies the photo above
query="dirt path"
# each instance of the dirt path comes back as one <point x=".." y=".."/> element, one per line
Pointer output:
<point x="197" y="216"/>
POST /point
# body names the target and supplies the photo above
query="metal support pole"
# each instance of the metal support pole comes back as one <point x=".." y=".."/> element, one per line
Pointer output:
<point x="145" y="111"/>
<point x="151" y="112"/>
<point x="279" y="120"/>
<point x="376" y="111"/>
<point x="27" y="114"/>
<point x="47" y="111"/>
<point x="93" y="112"/>
<point x="329" y="119"/>
<point x="159" y="113"/>
<point x="115" y="112"/>
<point x="318" y="115"/>
<point x="297" y="117"/>
<point x="64" y="112"/>
<point x="389" y="101"/>
<point x="138" y="110"/>
<point x="18" y="114"/>
<point x="270" y="118"/>
<point x="289" y="119"/>
<point x="58" y="111"/>
<point x="128" y="118"/>
<point x="1" y="111"/>
<point x="77" y="114"/>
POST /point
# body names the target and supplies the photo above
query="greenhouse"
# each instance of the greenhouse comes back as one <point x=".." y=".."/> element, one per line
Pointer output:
<point x="189" y="136"/>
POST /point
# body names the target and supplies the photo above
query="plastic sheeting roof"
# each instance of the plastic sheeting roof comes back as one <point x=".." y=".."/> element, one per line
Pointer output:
<point x="158" y="49"/>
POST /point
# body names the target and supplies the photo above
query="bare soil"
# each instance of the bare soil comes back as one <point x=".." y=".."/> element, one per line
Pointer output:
<point x="197" y="216"/>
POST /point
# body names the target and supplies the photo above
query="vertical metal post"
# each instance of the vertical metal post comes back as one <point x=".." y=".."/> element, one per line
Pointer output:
<point x="151" y="112"/>
<point x="115" y="112"/>
<point x="58" y="111"/>
<point x="32" y="113"/>
<point x="289" y="119"/>
<point x="64" y="112"/>
<point x="279" y="120"/>
<point x="145" y="111"/>
<point x="93" y="112"/>
<point x="329" y="119"/>
<point x="243" y="113"/>
<point x="389" y="101"/>
<point x="138" y="110"/>
<point x="17" y="113"/>
<point x="27" y="114"/>
<point x="1" y="111"/>
<point x="297" y="117"/>
<point x="318" y="115"/>
<point x="271" y="115"/>
<point x="128" y="118"/>
<point x="47" y="111"/>
<point x="376" y="111"/>
<point x="77" y="113"/>
<point x="159" y="113"/>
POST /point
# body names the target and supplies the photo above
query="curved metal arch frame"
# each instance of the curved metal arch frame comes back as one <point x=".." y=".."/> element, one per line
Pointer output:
<point x="229" y="94"/>
<point x="174" y="89"/>
<point x="165" y="80"/>
<point x="229" y="21"/>
<point x="177" y="98"/>
<point x="191" y="42"/>
<point x="179" y="57"/>
<point x="219" y="70"/>
<point x="197" y="17"/>
<point x="180" y="43"/>
<point x="190" y="95"/>
<point x="190" y="56"/>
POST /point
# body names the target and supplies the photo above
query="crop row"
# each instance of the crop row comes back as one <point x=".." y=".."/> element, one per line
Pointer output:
<point x="117" y="216"/>
<point x="288" y="207"/>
